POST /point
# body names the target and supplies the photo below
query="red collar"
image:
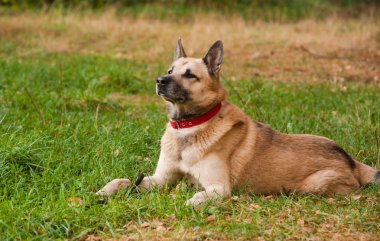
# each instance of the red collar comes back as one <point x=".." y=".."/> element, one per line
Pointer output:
<point x="197" y="121"/>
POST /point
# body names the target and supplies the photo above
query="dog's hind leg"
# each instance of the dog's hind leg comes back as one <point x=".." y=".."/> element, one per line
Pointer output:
<point x="328" y="182"/>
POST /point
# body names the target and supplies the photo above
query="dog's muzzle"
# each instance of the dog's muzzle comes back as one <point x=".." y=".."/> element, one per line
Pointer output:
<point x="170" y="90"/>
<point x="163" y="80"/>
<point x="161" y="84"/>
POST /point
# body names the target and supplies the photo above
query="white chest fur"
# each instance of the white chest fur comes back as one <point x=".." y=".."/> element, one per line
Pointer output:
<point x="190" y="153"/>
<point x="189" y="157"/>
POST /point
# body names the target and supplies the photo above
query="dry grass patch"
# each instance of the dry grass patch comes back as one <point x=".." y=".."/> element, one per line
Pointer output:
<point x="330" y="50"/>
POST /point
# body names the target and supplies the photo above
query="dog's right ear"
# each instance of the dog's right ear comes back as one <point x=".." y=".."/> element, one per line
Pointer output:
<point x="213" y="58"/>
<point x="179" y="51"/>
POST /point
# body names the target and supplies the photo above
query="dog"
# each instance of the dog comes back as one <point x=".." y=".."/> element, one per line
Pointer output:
<point x="218" y="148"/>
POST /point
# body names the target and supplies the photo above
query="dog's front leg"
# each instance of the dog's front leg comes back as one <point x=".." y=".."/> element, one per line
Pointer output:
<point x="212" y="174"/>
<point x="114" y="186"/>
<point x="166" y="173"/>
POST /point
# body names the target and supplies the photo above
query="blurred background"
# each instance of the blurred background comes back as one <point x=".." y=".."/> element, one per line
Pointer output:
<point x="296" y="40"/>
<point x="250" y="10"/>
<point x="78" y="108"/>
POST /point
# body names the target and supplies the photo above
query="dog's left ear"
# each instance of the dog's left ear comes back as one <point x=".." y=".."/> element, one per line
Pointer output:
<point x="179" y="51"/>
<point x="213" y="58"/>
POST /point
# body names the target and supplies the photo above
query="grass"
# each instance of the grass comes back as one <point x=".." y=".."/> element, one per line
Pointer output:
<point x="72" y="120"/>
<point x="64" y="134"/>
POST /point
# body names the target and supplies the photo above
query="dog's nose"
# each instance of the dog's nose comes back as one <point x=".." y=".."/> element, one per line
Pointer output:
<point x="162" y="80"/>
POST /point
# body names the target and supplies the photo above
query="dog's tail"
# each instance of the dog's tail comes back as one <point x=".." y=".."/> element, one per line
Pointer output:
<point x="366" y="174"/>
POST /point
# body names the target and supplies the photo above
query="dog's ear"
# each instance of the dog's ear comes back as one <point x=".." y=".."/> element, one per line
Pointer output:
<point x="179" y="51"/>
<point x="213" y="58"/>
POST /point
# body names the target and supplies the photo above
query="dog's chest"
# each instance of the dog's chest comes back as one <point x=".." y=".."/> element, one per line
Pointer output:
<point x="189" y="156"/>
<point x="191" y="148"/>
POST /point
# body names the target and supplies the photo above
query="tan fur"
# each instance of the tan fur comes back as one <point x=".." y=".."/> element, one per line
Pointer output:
<point x="232" y="151"/>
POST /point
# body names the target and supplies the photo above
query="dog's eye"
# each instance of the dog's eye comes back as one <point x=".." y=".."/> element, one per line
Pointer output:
<point x="170" y="71"/>
<point x="189" y="75"/>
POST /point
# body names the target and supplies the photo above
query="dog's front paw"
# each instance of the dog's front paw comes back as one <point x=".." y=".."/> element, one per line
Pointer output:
<point x="113" y="186"/>
<point x="197" y="199"/>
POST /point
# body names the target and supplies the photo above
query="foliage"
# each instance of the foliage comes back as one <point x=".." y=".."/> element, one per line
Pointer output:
<point x="257" y="9"/>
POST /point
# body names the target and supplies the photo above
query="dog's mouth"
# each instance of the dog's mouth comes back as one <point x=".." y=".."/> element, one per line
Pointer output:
<point x="169" y="98"/>
<point x="172" y="100"/>
<point x="172" y="92"/>
<point x="165" y="97"/>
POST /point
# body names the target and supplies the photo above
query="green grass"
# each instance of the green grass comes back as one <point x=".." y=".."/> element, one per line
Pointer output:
<point x="60" y="129"/>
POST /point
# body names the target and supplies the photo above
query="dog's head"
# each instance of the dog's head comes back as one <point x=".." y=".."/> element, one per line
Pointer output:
<point x="191" y="86"/>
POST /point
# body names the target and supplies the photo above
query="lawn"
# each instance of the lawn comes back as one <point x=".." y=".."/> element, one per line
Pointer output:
<point x="75" y="116"/>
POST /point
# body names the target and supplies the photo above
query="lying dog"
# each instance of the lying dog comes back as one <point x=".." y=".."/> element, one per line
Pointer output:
<point x="216" y="146"/>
